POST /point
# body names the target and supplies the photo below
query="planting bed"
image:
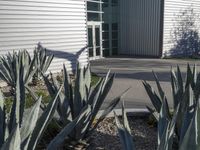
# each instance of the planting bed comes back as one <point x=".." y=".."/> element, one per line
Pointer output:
<point x="106" y="135"/>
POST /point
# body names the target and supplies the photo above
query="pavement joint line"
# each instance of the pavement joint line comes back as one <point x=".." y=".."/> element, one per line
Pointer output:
<point x="129" y="111"/>
<point x="128" y="69"/>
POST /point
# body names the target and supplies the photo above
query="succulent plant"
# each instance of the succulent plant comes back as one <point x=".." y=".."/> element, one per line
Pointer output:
<point x="17" y="62"/>
<point x="124" y="131"/>
<point x="78" y="96"/>
<point x="23" y="131"/>
<point x="181" y="128"/>
<point x="42" y="60"/>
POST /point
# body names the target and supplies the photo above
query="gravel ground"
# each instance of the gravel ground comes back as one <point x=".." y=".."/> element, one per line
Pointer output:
<point x="106" y="135"/>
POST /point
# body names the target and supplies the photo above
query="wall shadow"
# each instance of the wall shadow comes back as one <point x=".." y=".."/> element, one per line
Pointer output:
<point x="185" y="35"/>
<point x="72" y="58"/>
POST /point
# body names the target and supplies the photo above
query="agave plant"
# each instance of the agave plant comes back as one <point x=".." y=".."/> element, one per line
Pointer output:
<point x="42" y="60"/>
<point x="124" y="131"/>
<point x="23" y="131"/>
<point x="79" y="95"/>
<point x="17" y="62"/>
<point x="181" y="128"/>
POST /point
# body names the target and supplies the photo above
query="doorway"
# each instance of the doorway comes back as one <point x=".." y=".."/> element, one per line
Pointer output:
<point x="94" y="40"/>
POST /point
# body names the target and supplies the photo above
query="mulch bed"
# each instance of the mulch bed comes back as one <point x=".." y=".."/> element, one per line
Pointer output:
<point x="106" y="135"/>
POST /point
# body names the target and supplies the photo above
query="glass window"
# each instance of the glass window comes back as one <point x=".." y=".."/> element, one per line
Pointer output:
<point x="105" y="35"/>
<point x="91" y="6"/>
<point x="115" y="26"/>
<point x="105" y="27"/>
<point x="114" y="3"/>
<point x="115" y="51"/>
<point x="106" y="52"/>
<point x="90" y="38"/>
<point x="105" y="44"/>
<point x="93" y="16"/>
<point x="105" y="1"/>
<point x="114" y="43"/>
<point x="114" y="35"/>
<point x="97" y="35"/>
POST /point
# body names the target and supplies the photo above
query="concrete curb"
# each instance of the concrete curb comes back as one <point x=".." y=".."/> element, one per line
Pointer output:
<point x="130" y="112"/>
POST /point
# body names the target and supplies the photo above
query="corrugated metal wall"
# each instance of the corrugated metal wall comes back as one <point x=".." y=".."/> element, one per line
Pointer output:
<point x="140" y="27"/>
<point x="173" y="9"/>
<point x="60" y="25"/>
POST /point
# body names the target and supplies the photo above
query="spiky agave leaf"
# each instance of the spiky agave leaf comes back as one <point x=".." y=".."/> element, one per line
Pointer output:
<point x="191" y="139"/>
<point x="43" y="121"/>
<point x="106" y="112"/>
<point x="2" y="119"/>
<point x="29" y="123"/>
<point x="63" y="135"/>
<point x="42" y="60"/>
<point x="166" y="129"/>
<point x="79" y="96"/>
<point x="124" y="131"/>
<point x="163" y="121"/>
<point x="13" y="141"/>
<point x="156" y="101"/>
<point x="9" y="69"/>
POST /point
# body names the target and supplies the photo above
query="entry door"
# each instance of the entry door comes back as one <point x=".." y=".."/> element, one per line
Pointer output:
<point x="94" y="40"/>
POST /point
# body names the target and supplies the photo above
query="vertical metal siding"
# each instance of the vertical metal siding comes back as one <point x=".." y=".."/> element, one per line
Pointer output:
<point x="140" y="27"/>
<point x="171" y="11"/>
<point x="60" y="25"/>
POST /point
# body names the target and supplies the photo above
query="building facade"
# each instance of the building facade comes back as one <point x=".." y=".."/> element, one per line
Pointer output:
<point x="59" y="25"/>
<point x="146" y="28"/>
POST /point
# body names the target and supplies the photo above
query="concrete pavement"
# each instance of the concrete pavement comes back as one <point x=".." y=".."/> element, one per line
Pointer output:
<point x="130" y="72"/>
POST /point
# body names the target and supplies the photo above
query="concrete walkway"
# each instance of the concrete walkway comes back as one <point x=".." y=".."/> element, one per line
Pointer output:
<point x="130" y="72"/>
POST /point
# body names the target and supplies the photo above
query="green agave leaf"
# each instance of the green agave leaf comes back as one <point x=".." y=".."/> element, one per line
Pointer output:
<point x="107" y="84"/>
<point x="35" y="97"/>
<point x="185" y="125"/>
<point x="174" y="84"/>
<point x="160" y="90"/>
<point x="194" y="75"/>
<point x="153" y="112"/>
<point x="13" y="142"/>
<point x="125" y="119"/>
<point x="191" y="139"/>
<point x="95" y="93"/>
<point x="79" y="90"/>
<point x="67" y="89"/>
<point x="30" y="71"/>
<point x="2" y="119"/>
<point x="108" y="109"/>
<point x="163" y="120"/>
<point x="48" y="63"/>
<point x="180" y="84"/>
<point x="124" y="132"/>
<point x="18" y="104"/>
<point x="43" y="121"/>
<point x="185" y="110"/>
<point x="49" y="86"/>
<point x="63" y="135"/>
<point x="197" y="87"/>
<point x="30" y="121"/>
<point x="62" y="108"/>
<point x="101" y="95"/>
<point x="157" y="103"/>
<point x="189" y="77"/>
<point x="87" y="76"/>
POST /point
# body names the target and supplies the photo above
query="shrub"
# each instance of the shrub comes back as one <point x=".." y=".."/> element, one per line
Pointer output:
<point x="78" y="96"/>
<point x="22" y="62"/>
<point x="179" y="130"/>
<point x="20" y="130"/>
<point x="42" y="60"/>
<point x="15" y="63"/>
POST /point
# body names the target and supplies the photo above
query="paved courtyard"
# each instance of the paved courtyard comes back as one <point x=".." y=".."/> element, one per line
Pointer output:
<point x="130" y="72"/>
